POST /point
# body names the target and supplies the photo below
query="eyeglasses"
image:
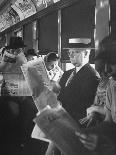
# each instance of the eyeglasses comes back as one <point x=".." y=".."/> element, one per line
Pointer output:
<point x="74" y="52"/>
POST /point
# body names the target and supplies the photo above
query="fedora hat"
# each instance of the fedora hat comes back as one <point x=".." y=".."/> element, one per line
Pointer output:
<point x="79" y="43"/>
<point x="15" y="42"/>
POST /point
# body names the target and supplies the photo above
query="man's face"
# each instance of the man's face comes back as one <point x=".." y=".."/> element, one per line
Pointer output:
<point x="16" y="51"/>
<point x="50" y="65"/>
<point x="76" y="57"/>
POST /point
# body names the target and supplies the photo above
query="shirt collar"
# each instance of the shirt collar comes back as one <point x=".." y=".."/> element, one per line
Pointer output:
<point x="78" y="68"/>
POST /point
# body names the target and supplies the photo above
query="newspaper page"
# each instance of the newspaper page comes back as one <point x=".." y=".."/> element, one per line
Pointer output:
<point x="37" y="66"/>
<point x="39" y="83"/>
<point x="14" y="81"/>
<point x="60" y="128"/>
<point x="36" y="75"/>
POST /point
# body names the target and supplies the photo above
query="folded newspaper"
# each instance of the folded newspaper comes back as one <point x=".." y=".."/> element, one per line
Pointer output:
<point x="60" y="128"/>
<point x="37" y="78"/>
<point x="14" y="82"/>
<point x="36" y="75"/>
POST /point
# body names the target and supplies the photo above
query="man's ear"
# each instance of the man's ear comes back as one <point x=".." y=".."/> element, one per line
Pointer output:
<point x="85" y="54"/>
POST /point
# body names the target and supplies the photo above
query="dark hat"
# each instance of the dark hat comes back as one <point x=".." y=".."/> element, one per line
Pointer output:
<point x="15" y="42"/>
<point x="79" y="43"/>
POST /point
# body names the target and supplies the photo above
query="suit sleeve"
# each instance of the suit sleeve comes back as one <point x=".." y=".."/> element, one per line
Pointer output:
<point x="89" y="88"/>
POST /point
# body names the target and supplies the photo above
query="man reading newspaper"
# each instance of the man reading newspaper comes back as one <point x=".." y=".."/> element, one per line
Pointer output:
<point x="52" y="121"/>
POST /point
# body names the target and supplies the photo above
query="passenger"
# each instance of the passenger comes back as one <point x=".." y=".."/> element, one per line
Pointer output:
<point x="77" y="92"/>
<point x="14" y="105"/>
<point x="51" y="62"/>
<point x="96" y="112"/>
<point x="13" y="54"/>
<point x="102" y="138"/>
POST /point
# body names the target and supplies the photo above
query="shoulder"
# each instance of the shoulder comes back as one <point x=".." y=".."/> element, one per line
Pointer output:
<point x="90" y="71"/>
<point x="111" y="84"/>
<point x="68" y="72"/>
<point x="65" y="76"/>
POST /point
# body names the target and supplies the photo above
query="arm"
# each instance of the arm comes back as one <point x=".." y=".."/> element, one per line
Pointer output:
<point x="3" y="66"/>
<point x="108" y="116"/>
<point x="100" y="109"/>
<point x="88" y="90"/>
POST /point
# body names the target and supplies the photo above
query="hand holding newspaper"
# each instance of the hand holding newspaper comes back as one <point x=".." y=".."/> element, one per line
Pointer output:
<point x="60" y="128"/>
<point x="53" y="122"/>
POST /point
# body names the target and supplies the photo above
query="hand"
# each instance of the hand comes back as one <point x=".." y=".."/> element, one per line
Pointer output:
<point x="84" y="120"/>
<point x="8" y="57"/>
<point x="89" y="141"/>
<point x="51" y="98"/>
<point x="92" y="109"/>
<point x="55" y="87"/>
<point x="99" y="109"/>
<point x="47" y="97"/>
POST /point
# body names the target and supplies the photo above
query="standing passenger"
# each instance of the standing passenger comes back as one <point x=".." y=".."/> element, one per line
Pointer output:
<point x="14" y="88"/>
<point x="102" y="137"/>
<point x="77" y="93"/>
<point x="78" y="85"/>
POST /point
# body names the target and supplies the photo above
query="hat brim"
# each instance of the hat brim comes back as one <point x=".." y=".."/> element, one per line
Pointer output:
<point x="79" y="46"/>
<point x="15" y="47"/>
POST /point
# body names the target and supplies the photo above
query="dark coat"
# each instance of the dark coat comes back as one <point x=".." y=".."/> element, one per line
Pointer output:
<point x="77" y="96"/>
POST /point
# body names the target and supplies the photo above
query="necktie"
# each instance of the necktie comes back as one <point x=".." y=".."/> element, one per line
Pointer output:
<point x="71" y="77"/>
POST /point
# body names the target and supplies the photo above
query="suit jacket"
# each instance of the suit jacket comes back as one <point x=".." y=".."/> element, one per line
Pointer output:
<point x="79" y="94"/>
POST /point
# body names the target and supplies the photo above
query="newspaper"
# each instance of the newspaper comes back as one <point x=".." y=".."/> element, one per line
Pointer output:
<point x="15" y="84"/>
<point x="36" y="75"/>
<point x="40" y="67"/>
<point x="38" y="80"/>
<point x="60" y="128"/>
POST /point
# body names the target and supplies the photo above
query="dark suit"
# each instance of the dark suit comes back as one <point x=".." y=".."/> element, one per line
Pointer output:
<point x="79" y="94"/>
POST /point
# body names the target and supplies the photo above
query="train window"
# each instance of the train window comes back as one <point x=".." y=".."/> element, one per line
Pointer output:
<point x="48" y="33"/>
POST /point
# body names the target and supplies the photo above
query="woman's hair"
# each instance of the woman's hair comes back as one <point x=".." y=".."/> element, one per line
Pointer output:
<point x="30" y="52"/>
<point x="51" y="57"/>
